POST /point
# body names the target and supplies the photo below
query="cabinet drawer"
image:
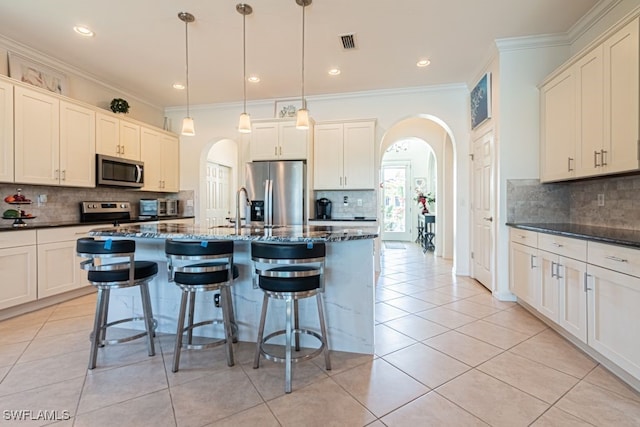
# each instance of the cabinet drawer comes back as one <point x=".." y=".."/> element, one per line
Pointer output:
<point x="565" y="246"/>
<point x="63" y="234"/>
<point x="11" y="239"/>
<point x="524" y="237"/>
<point x="618" y="258"/>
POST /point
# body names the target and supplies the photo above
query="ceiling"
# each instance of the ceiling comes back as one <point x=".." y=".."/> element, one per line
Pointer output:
<point x="139" y="45"/>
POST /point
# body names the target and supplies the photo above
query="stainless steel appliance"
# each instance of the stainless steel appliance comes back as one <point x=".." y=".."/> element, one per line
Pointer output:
<point x="104" y="211"/>
<point x="276" y="191"/>
<point x="323" y="208"/>
<point x="119" y="172"/>
<point x="152" y="208"/>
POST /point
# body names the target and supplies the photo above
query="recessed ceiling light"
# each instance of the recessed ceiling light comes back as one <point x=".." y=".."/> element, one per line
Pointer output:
<point x="253" y="79"/>
<point x="83" y="31"/>
<point x="178" y="86"/>
<point x="334" y="72"/>
<point x="423" y="63"/>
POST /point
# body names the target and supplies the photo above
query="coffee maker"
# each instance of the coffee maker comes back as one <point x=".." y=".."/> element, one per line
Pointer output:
<point x="323" y="208"/>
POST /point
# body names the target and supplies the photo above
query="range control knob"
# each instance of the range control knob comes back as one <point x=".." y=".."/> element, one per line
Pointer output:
<point x="123" y="205"/>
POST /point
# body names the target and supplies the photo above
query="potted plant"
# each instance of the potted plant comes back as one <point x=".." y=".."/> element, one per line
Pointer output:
<point x="119" y="105"/>
<point x="425" y="200"/>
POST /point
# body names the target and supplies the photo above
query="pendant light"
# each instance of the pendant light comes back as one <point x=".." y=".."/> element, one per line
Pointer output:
<point x="302" y="117"/>
<point x="188" y="128"/>
<point x="244" y="124"/>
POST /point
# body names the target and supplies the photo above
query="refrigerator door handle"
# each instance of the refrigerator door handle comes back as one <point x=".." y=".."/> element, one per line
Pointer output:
<point x="268" y="202"/>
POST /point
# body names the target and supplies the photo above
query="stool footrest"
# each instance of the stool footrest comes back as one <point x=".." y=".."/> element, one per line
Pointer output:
<point x="128" y="338"/>
<point x="275" y="358"/>
<point x="217" y="342"/>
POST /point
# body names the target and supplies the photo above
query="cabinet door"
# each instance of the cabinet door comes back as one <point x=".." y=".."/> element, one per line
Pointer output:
<point x="359" y="155"/>
<point x="18" y="266"/>
<point x="170" y="164"/>
<point x="572" y="312"/>
<point x="613" y="301"/>
<point x="58" y="269"/>
<point x="548" y="290"/>
<point x="621" y="74"/>
<point x="589" y="73"/>
<point x="151" y="154"/>
<point x="6" y="132"/>
<point x="264" y="141"/>
<point x="523" y="273"/>
<point x="77" y="145"/>
<point x="558" y="118"/>
<point x="107" y="135"/>
<point x="37" y="137"/>
<point x="292" y="141"/>
<point x="328" y="157"/>
<point x="129" y="140"/>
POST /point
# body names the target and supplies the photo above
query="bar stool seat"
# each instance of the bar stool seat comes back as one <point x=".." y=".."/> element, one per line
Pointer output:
<point x="217" y="272"/>
<point x="117" y="274"/>
<point x="299" y="274"/>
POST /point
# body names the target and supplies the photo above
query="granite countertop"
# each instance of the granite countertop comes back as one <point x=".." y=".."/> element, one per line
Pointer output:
<point x="357" y="218"/>
<point x="33" y="225"/>
<point x="287" y="233"/>
<point x="614" y="236"/>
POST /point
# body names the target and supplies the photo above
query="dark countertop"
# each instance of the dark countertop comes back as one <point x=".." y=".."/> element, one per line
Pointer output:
<point x="32" y="225"/>
<point x="286" y="233"/>
<point x="614" y="236"/>
<point x="364" y="218"/>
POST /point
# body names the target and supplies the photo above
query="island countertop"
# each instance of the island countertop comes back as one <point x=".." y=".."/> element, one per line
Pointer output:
<point x="288" y="233"/>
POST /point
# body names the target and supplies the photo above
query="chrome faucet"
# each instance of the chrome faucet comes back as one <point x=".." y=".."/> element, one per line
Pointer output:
<point x="238" y="216"/>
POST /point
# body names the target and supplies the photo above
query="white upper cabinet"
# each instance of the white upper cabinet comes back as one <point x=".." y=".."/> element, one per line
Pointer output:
<point x="37" y="137"/>
<point x="117" y="138"/>
<point x="161" y="156"/>
<point x="77" y="145"/>
<point x="590" y="112"/>
<point x="344" y="155"/>
<point x="278" y="140"/>
<point x="6" y="132"/>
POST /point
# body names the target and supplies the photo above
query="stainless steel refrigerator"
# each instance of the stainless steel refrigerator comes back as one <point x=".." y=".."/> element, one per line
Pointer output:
<point x="276" y="191"/>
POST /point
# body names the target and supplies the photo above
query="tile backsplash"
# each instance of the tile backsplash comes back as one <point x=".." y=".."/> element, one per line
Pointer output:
<point x="351" y="209"/>
<point x="577" y="202"/>
<point x="63" y="203"/>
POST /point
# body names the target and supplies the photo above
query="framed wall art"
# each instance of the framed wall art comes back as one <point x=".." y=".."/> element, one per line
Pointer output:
<point x="287" y="108"/>
<point x="481" y="101"/>
<point x="37" y="74"/>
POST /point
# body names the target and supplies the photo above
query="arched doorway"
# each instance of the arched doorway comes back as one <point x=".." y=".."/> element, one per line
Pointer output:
<point x="436" y="134"/>
<point x="219" y="179"/>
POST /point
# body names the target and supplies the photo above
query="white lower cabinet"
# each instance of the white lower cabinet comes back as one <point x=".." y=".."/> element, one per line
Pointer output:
<point x="18" y="265"/>
<point x="593" y="294"/>
<point x="58" y="266"/>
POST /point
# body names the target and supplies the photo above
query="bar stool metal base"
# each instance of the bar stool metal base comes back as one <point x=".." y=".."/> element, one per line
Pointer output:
<point x="291" y="332"/>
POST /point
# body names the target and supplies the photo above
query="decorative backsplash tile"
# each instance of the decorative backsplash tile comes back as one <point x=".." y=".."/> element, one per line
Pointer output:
<point x="577" y="202"/>
<point x="63" y="203"/>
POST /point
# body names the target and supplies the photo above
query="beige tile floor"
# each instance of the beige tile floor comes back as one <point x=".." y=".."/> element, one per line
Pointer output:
<point x="447" y="354"/>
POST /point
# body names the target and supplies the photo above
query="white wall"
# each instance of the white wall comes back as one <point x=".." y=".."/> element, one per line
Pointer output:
<point x="449" y="104"/>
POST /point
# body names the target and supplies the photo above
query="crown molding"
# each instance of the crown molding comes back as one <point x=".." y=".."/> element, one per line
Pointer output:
<point x="17" y="47"/>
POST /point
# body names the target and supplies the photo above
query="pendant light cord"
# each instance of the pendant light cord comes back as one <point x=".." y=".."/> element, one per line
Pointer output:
<point x="244" y="63"/>
<point x="186" y="38"/>
<point x="304" y="104"/>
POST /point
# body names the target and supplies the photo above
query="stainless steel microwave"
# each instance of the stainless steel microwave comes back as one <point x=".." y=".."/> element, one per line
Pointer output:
<point x="118" y="172"/>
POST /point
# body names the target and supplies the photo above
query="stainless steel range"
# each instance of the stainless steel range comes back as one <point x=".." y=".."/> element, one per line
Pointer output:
<point x="105" y="211"/>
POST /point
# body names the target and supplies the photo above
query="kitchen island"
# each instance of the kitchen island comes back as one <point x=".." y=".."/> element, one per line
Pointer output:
<point x="349" y="280"/>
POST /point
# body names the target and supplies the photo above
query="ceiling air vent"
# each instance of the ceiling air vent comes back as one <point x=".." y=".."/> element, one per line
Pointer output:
<point x="348" y="41"/>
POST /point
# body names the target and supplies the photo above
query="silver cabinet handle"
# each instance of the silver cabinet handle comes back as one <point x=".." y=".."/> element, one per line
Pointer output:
<point x="522" y="236"/>
<point x="340" y="180"/>
<point x="56" y="174"/>
<point x="603" y="158"/>
<point x="531" y="261"/>
<point x="569" y="160"/>
<point x="615" y="258"/>
<point x="122" y="150"/>
<point x="64" y="174"/>
<point x="595" y="159"/>
<point x="553" y="264"/>
<point x="557" y="245"/>
<point x="118" y="148"/>
<point x="586" y="281"/>
<point x="558" y="265"/>
<point x="345" y="181"/>
<point x="281" y="151"/>
<point x="275" y="151"/>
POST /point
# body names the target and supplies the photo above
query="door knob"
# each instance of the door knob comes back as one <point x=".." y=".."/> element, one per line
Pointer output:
<point x="490" y="218"/>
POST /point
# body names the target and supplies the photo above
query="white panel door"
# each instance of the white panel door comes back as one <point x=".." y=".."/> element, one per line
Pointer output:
<point x="483" y="246"/>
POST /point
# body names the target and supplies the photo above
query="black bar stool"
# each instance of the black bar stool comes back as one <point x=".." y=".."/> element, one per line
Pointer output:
<point x="300" y="275"/>
<point x="216" y="273"/>
<point x="106" y="276"/>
